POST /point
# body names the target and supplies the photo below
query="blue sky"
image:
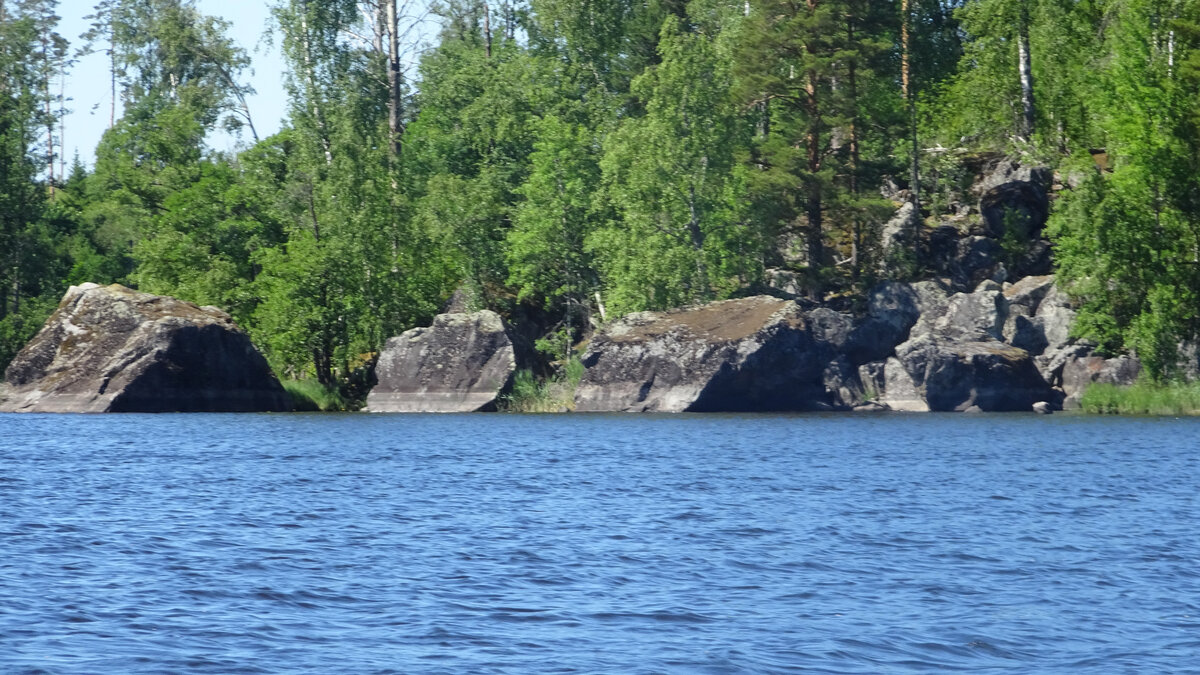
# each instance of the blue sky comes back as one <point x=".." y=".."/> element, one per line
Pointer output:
<point x="88" y="83"/>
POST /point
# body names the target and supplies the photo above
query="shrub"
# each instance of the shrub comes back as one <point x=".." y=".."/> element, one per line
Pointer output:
<point x="556" y="394"/>
<point x="311" y="396"/>
<point x="1143" y="398"/>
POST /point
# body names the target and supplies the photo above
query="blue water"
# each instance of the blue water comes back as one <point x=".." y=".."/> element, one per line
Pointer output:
<point x="606" y="544"/>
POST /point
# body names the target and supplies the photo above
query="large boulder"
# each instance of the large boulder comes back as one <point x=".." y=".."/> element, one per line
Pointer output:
<point x="462" y="363"/>
<point x="893" y="309"/>
<point x="112" y="349"/>
<point x="957" y="375"/>
<point x="752" y="354"/>
<point x="1014" y="199"/>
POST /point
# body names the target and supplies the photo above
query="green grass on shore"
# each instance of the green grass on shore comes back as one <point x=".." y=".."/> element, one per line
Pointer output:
<point x="554" y="395"/>
<point x="312" y="396"/>
<point x="1143" y="398"/>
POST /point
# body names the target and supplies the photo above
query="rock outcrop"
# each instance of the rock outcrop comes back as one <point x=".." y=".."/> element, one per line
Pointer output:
<point x="1080" y="372"/>
<point x="956" y="358"/>
<point x="753" y="354"/>
<point x="462" y="363"/>
<point x="1000" y="235"/>
<point x="918" y="347"/>
<point x="112" y="349"/>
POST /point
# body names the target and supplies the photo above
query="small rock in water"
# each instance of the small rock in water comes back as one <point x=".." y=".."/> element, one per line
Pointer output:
<point x="974" y="409"/>
<point x="1042" y="408"/>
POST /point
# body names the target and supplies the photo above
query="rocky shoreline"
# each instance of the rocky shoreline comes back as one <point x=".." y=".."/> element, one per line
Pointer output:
<point x="916" y="347"/>
<point x="919" y="347"/>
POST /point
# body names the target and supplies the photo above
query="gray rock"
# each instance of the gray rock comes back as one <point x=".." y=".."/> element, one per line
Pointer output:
<point x="786" y="283"/>
<point x="1026" y="333"/>
<point x="1081" y="372"/>
<point x="843" y="387"/>
<point x="989" y="285"/>
<point x="1057" y="318"/>
<point x="965" y="316"/>
<point x="1025" y="295"/>
<point x="1014" y="195"/>
<point x="1020" y="327"/>
<point x="978" y="258"/>
<point x="830" y="327"/>
<point x="113" y="349"/>
<point x="897" y="235"/>
<point x="752" y="354"/>
<point x="960" y="374"/>
<point x="900" y="391"/>
<point x="1003" y="171"/>
<point x="871" y="406"/>
<point x="973" y="410"/>
<point x="462" y="363"/>
<point x="893" y="310"/>
<point x="1017" y="208"/>
<point x="1037" y="259"/>
<point x="873" y="378"/>
<point x="1042" y="408"/>
<point x="1051" y="364"/>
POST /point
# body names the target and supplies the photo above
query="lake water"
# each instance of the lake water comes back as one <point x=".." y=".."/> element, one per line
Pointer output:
<point x="600" y="544"/>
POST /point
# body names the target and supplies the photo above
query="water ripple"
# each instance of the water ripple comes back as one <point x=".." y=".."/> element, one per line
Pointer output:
<point x="597" y="544"/>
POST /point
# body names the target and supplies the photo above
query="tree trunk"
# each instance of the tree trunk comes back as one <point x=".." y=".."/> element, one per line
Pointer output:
<point x="905" y="47"/>
<point x="395" y="102"/>
<point x="1025" y="66"/>
<point x="852" y="91"/>
<point x="112" y="75"/>
<point x="910" y="98"/>
<point x="62" y="120"/>
<point x="48" y="100"/>
<point x="813" y="206"/>
<point x="487" y="29"/>
<point x="310" y="81"/>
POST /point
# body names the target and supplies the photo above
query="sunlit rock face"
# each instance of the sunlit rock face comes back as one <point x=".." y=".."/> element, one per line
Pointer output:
<point x="112" y="349"/>
<point x="753" y="354"/>
<point x="464" y="362"/>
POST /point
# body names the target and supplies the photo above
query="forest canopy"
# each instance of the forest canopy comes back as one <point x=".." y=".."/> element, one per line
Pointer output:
<point x="561" y="161"/>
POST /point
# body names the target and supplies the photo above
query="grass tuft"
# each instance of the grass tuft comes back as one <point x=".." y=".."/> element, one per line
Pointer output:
<point x="529" y="395"/>
<point x="312" y="396"/>
<point x="1143" y="398"/>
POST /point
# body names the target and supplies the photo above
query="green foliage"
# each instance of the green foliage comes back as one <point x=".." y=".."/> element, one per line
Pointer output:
<point x="557" y="394"/>
<point x="547" y="259"/>
<point x="312" y="396"/>
<point x="1128" y="240"/>
<point x="18" y="327"/>
<point x="682" y="236"/>
<point x="1143" y="398"/>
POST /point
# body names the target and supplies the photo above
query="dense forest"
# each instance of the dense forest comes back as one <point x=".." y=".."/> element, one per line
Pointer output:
<point x="563" y="161"/>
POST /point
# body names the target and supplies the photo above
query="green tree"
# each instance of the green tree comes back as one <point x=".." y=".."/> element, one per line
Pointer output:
<point x="815" y="77"/>
<point x="35" y="223"/>
<point x="547" y="258"/>
<point x="680" y="236"/>
<point x="1128" y="242"/>
<point x="351" y="269"/>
